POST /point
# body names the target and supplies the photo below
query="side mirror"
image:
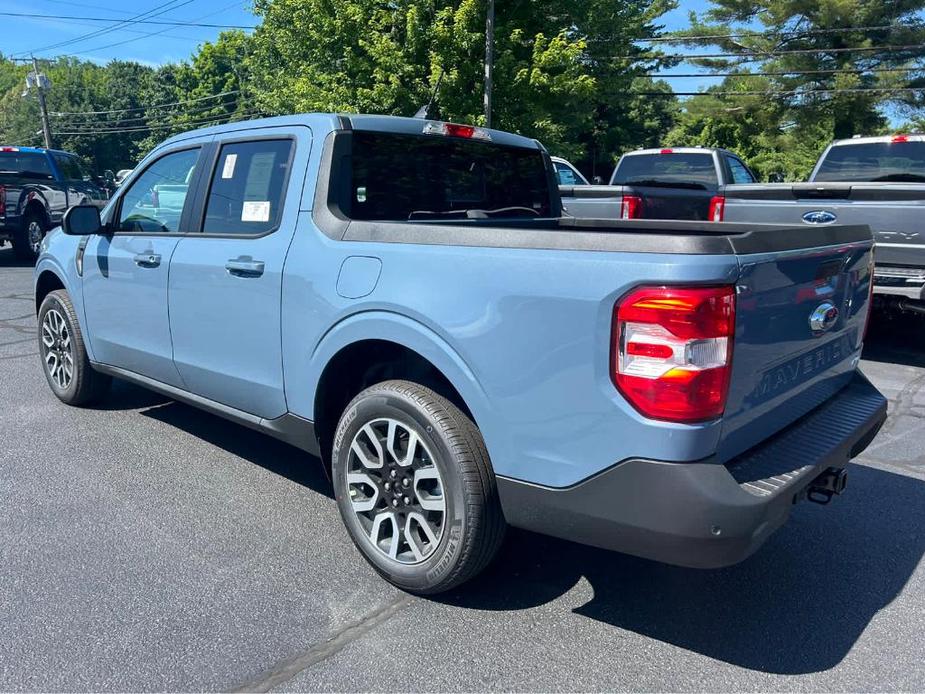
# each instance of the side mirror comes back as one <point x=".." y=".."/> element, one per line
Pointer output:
<point x="597" y="180"/>
<point x="82" y="220"/>
<point x="109" y="176"/>
<point x="776" y="177"/>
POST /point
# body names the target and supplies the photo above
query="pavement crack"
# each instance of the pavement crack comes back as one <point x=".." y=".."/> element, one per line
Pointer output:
<point x="288" y="668"/>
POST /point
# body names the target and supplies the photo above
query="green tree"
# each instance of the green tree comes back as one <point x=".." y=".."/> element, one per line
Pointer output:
<point x="558" y="76"/>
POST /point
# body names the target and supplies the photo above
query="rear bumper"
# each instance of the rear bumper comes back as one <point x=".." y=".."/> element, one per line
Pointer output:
<point x="900" y="281"/>
<point x="703" y="514"/>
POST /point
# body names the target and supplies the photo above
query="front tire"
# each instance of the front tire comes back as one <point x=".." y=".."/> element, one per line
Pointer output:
<point x="415" y="487"/>
<point x="28" y="240"/>
<point x="64" y="356"/>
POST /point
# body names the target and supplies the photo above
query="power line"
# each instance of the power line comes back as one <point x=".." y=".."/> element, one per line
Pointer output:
<point x="77" y="18"/>
<point x="209" y="121"/>
<point x="787" y="92"/>
<point x="784" y="73"/>
<point x="771" y="35"/>
<point x="762" y="55"/>
<point x="154" y="12"/>
<point x="138" y="120"/>
<point x="145" y="108"/>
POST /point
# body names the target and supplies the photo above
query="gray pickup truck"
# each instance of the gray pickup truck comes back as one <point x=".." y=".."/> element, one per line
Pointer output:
<point x="878" y="181"/>
<point x="666" y="183"/>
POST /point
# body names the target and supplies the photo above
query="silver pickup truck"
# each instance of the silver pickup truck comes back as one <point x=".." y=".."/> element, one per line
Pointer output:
<point x="877" y="181"/>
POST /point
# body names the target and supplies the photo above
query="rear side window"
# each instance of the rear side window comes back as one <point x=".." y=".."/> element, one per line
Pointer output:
<point x="70" y="167"/>
<point x="874" y="161"/>
<point x="566" y="175"/>
<point x="675" y="169"/>
<point x="419" y="177"/>
<point x="740" y="172"/>
<point x="248" y="186"/>
<point x="25" y="165"/>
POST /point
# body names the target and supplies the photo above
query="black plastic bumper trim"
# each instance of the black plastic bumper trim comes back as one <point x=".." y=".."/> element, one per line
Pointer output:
<point x="696" y="514"/>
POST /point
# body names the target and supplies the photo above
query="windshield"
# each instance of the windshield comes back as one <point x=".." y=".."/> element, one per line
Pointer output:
<point x="400" y="177"/>
<point x="688" y="169"/>
<point x="874" y="161"/>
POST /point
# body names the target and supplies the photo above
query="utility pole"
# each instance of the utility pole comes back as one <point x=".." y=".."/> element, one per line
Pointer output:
<point x="489" y="58"/>
<point x="41" y="84"/>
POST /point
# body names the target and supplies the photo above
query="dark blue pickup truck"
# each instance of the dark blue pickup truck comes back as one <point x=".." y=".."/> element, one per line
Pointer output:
<point x="36" y="187"/>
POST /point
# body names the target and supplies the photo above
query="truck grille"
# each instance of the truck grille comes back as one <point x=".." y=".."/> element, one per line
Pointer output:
<point x="909" y="274"/>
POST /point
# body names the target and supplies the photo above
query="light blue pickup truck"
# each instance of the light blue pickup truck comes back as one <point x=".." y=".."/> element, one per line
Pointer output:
<point x="403" y="299"/>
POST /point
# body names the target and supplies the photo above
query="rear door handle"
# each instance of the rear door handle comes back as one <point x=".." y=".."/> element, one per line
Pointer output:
<point x="244" y="267"/>
<point x="147" y="259"/>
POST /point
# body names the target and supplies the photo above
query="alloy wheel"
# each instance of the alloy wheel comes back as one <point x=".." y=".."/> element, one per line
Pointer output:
<point x="58" y="352"/>
<point x="34" y="236"/>
<point x="396" y="491"/>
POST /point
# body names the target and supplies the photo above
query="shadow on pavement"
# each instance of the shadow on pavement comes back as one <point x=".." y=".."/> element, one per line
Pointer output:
<point x="797" y="606"/>
<point x="896" y="340"/>
<point x="8" y="259"/>
<point x="253" y="446"/>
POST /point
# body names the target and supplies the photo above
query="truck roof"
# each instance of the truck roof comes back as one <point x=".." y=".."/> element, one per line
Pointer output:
<point x="674" y="150"/>
<point x="32" y="150"/>
<point x="326" y="122"/>
<point x="916" y="137"/>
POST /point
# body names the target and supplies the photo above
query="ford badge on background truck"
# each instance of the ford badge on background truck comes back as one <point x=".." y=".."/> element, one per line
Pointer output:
<point x="459" y="355"/>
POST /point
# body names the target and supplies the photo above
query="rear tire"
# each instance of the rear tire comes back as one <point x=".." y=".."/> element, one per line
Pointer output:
<point x="28" y="240"/>
<point x="415" y="488"/>
<point x="64" y="356"/>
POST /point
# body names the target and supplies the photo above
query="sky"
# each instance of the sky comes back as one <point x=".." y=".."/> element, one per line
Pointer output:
<point x="20" y="35"/>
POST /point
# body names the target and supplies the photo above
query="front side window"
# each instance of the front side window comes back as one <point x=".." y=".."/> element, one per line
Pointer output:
<point x="567" y="176"/>
<point x="155" y="200"/>
<point x="740" y="172"/>
<point x="246" y="195"/>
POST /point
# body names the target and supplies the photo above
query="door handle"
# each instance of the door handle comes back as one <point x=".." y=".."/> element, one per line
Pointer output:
<point x="147" y="259"/>
<point x="244" y="267"/>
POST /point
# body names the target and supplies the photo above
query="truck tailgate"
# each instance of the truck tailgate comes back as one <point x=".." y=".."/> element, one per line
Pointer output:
<point x="892" y="211"/>
<point x="800" y="320"/>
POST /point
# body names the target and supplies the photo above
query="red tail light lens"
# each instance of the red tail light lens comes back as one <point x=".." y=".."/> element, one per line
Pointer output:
<point x="672" y="351"/>
<point x="456" y="130"/>
<point x="631" y="207"/>
<point x="900" y="138"/>
<point x="717" y="208"/>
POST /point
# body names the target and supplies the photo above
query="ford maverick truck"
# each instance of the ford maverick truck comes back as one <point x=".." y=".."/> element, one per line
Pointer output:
<point x="403" y="299"/>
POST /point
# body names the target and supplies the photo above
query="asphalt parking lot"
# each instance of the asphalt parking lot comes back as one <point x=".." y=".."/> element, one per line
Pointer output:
<point x="146" y="545"/>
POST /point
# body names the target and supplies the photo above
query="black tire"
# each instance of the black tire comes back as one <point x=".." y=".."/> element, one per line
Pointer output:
<point x="24" y="241"/>
<point x="84" y="386"/>
<point x="473" y="524"/>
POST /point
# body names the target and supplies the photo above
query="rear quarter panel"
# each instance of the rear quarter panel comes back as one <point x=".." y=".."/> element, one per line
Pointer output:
<point x="523" y="334"/>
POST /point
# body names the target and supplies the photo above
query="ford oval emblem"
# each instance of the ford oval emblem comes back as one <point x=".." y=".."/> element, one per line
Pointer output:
<point x="823" y="318"/>
<point x="819" y="217"/>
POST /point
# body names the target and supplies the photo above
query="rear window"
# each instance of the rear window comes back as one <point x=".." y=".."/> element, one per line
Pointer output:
<point x="874" y="161"/>
<point x="400" y="177"/>
<point x="25" y="165"/>
<point x="666" y="169"/>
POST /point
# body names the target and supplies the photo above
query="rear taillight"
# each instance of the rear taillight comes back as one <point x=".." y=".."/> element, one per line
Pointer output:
<point x="870" y="296"/>
<point x="630" y="207"/>
<point x="2" y="201"/>
<point x="717" y="208"/>
<point x="672" y="351"/>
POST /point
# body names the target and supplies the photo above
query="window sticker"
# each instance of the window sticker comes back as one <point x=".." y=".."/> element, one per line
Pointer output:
<point x="228" y="169"/>
<point x="256" y="211"/>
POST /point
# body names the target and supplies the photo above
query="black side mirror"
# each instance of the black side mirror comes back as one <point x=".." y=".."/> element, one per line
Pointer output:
<point x="597" y="180"/>
<point x="82" y="220"/>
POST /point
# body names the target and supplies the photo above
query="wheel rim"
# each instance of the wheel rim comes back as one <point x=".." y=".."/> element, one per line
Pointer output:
<point x="396" y="491"/>
<point x="34" y="233"/>
<point x="57" y="349"/>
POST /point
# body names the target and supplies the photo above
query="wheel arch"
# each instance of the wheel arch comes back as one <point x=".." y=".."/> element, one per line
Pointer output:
<point x="377" y="346"/>
<point x="47" y="282"/>
<point x="36" y="205"/>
